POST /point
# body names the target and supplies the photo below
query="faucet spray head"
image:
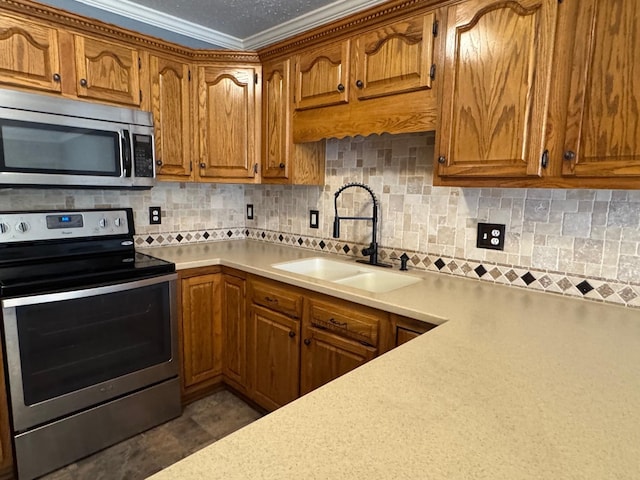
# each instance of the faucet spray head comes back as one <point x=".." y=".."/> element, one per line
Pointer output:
<point x="336" y="227"/>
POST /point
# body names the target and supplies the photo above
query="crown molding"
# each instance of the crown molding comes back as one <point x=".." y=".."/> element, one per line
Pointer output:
<point x="162" y="20"/>
<point x="323" y="15"/>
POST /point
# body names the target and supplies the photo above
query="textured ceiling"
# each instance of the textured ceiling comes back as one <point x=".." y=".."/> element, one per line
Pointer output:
<point x="238" y="18"/>
<point x="235" y="24"/>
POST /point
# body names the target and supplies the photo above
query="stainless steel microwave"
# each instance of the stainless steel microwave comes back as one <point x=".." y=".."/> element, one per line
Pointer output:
<point x="53" y="141"/>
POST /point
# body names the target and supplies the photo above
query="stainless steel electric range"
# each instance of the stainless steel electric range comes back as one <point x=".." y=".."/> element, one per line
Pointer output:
<point x="89" y="334"/>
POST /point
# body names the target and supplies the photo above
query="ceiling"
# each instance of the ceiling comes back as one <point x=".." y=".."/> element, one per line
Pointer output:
<point x="229" y="24"/>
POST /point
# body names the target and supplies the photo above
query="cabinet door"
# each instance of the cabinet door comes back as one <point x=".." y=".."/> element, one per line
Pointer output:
<point x="322" y="76"/>
<point x="326" y="356"/>
<point x="171" y="101"/>
<point x="201" y="329"/>
<point x="229" y="122"/>
<point x="603" y="121"/>
<point x="395" y="58"/>
<point x="496" y="88"/>
<point x="234" y="330"/>
<point x="107" y="71"/>
<point x="276" y="119"/>
<point x="29" y="55"/>
<point x="274" y="353"/>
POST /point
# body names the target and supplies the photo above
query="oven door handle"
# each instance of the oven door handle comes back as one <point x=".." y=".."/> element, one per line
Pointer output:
<point x="87" y="292"/>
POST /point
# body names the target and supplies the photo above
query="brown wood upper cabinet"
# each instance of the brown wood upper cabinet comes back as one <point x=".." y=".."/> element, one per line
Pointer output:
<point x="395" y="58"/>
<point x="171" y="101"/>
<point x="496" y="88"/>
<point x="282" y="160"/>
<point x="107" y="71"/>
<point x="603" y="117"/>
<point x="229" y="123"/>
<point x="30" y="54"/>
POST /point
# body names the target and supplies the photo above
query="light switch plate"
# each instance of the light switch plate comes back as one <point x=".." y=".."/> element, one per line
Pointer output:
<point x="249" y="211"/>
<point x="314" y="218"/>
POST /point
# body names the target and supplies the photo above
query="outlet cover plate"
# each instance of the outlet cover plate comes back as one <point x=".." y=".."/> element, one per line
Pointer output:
<point x="155" y="215"/>
<point x="491" y="235"/>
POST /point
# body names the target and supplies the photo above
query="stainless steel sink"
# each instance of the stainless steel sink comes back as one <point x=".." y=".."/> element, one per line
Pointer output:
<point x="370" y="279"/>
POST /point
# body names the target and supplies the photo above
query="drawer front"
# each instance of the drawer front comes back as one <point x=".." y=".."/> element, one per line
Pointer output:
<point x="277" y="298"/>
<point x="347" y="322"/>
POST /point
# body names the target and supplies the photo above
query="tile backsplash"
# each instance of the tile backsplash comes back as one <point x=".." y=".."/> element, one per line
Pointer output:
<point x="555" y="234"/>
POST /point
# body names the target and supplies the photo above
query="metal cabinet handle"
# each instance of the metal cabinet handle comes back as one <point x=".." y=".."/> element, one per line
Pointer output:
<point x="442" y="160"/>
<point x="569" y="155"/>
<point x="359" y="84"/>
<point x="340" y="87"/>
<point x="282" y="165"/>
<point x="203" y="165"/>
<point x="56" y="77"/>
<point x="337" y="323"/>
<point x="83" y="82"/>
<point x="159" y="163"/>
<point x="271" y="300"/>
<point x="307" y="341"/>
<point x="292" y="333"/>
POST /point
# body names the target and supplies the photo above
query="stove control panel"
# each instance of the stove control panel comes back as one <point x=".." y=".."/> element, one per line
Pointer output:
<point x="56" y="225"/>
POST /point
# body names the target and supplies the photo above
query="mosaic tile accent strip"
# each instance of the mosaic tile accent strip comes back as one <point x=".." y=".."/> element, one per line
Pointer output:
<point x="184" y="238"/>
<point x="595" y="289"/>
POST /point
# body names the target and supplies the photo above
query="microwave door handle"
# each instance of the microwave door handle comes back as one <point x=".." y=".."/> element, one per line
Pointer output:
<point x="125" y="153"/>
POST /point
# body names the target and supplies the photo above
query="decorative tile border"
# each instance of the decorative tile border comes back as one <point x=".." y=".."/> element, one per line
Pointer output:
<point x="595" y="289"/>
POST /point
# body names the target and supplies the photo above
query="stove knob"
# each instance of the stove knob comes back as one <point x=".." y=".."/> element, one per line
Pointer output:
<point x="103" y="223"/>
<point x="117" y="222"/>
<point x="22" y="227"/>
<point x="4" y="228"/>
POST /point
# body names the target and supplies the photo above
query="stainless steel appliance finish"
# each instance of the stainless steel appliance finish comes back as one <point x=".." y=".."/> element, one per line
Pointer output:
<point x="90" y="334"/>
<point x="51" y="141"/>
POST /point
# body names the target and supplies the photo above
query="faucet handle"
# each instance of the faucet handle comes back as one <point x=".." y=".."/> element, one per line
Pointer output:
<point x="404" y="258"/>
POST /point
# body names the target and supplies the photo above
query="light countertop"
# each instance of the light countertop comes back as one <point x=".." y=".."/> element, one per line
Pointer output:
<point x="517" y="385"/>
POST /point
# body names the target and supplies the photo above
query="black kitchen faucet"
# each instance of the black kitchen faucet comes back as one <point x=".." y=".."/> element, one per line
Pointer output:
<point x="372" y="251"/>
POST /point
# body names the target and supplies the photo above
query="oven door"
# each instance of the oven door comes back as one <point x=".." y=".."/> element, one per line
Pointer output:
<point x="69" y="351"/>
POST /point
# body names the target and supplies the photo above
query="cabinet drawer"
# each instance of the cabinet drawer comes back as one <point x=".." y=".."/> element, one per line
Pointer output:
<point x="275" y="297"/>
<point x="345" y="321"/>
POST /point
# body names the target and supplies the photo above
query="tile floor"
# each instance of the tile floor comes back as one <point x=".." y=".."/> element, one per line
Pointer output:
<point x="202" y="423"/>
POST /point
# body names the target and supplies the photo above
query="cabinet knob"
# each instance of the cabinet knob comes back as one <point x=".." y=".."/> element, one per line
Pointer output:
<point x="569" y="155"/>
<point x="340" y="87"/>
<point x="307" y="341"/>
<point x="359" y="84"/>
<point x="292" y="333"/>
<point x="203" y="165"/>
<point x="442" y="160"/>
<point x="159" y="163"/>
<point x="56" y="77"/>
<point x="83" y="82"/>
<point x="282" y="165"/>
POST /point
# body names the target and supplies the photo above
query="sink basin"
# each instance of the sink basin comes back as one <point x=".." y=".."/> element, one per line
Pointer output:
<point x="370" y="279"/>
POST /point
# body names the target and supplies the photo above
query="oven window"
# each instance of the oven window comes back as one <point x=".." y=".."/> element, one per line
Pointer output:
<point x="39" y="148"/>
<point x="72" y="344"/>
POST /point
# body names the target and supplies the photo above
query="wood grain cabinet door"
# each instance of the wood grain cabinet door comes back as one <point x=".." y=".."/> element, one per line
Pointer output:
<point x="274" y="356"/>
<point x="496" y="88"/>
<point x="322" y="76"/>
<point x="395" y="58"/>
<point x="201" y="329"/>
<point x="107" y="71"/>
<point x="234" y="331"/>
<point x="29" y="54"/>
<point x="171" y="101"/>
<point x="603" y="121"/>
<point x="229" y="122"/>
<point x="276" y="119"/>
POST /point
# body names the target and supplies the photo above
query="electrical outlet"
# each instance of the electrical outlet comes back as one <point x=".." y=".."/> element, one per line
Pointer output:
<point x="249" y="211"/>
<point x="314" y="218"/>
<point x="155" y="215"/>
<point x="491" y="235"/>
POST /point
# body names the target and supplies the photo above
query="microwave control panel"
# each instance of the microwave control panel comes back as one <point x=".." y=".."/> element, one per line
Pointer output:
<point x="143" y="155"/>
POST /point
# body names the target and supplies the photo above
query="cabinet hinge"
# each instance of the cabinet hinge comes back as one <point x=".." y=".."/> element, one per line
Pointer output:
<point x="255" y="78"/>
<point x="189" y="75"/>
<point x="190" y="166"/>
<point x="432" y="71"/>
<point x="139" y="64"/>
<point x="140" y="96"/>
<point x="255" y="168"/>
<point x="544" y="161"/>
<point x="434" y="29"/>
